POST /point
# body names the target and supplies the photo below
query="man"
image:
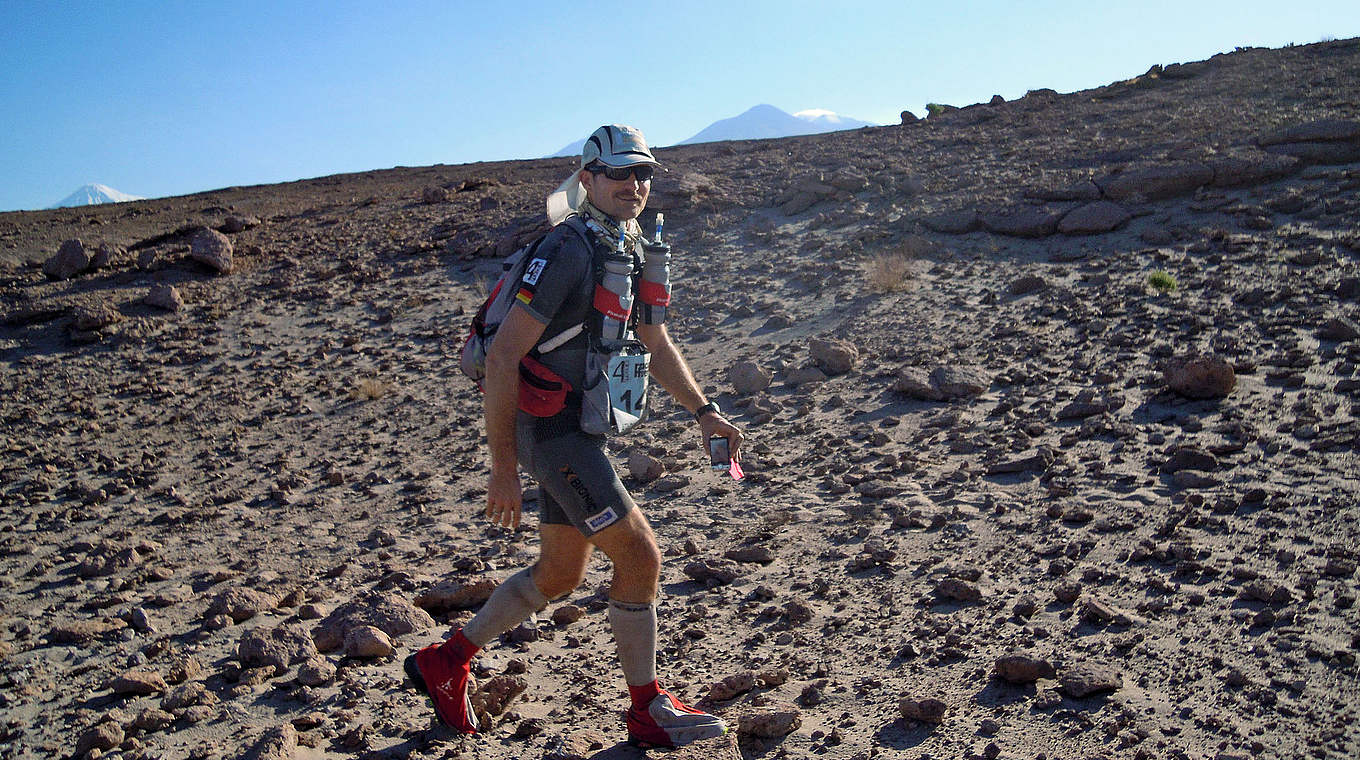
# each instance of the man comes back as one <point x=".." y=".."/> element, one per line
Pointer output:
<point x="584" y="505"/>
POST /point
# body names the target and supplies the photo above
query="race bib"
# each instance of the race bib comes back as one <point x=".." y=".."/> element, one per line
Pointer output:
<point x="627" y="372"/>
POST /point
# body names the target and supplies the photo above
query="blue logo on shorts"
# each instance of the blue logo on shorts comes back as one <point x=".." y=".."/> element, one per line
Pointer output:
<point x="602" y="520"/>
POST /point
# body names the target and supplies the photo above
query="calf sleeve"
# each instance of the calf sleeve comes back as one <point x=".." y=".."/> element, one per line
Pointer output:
<point x="510" y="604"/>
<point x="635" y="634"/>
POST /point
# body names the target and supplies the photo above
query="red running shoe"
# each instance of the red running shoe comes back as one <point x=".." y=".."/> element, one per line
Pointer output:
<point x="668" y="722"/>
<point x="451" y="682"/>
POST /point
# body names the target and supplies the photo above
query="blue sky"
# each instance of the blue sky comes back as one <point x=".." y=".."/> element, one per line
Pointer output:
<point x="167" y="98"/>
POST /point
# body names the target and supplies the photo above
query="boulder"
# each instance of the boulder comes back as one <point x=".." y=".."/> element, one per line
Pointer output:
<point x="69" y="261"/>
<point x="1093" y="218"/>
<point x="1026" y="284"/>
<point x="1200" y="376"/>
<point x="915" y="382"/>
<point x="773" y="720"/>
<point x="452" y="595"/>
<point x="137" y="683"/>
<point x="1156" y="182"/>
<point x="952" y="222"/>
<point x="959" y="381"/>
<point x="241" y="603"/>
<point x="834" y="356"/>
<point x="391" y="614"/>
<point x="1087" y="678"/>
<point x="212" y="249"/>
<point x="927" y="710"/>
<point x="316" y="671"/>
<point x="165" y="297"/>
<point x="1021" y="221"/>
<point x="280" y="647"/>
<point x="1023" y="668"/>
<point x="1252" y="168"/>
<point x="366" y="641"/>
<point x="644" y="467"/>
<point x="278" y="743"/>
<point x="748" y="377"/>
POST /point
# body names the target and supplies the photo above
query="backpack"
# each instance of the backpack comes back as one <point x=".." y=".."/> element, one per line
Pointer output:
<point x="542" y="391"/>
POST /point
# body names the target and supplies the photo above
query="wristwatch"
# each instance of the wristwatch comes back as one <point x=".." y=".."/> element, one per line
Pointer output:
<point x="711" y="406"/>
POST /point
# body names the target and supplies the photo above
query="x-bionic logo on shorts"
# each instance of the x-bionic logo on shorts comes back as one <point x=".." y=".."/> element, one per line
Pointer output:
<point x="598" y="521"/>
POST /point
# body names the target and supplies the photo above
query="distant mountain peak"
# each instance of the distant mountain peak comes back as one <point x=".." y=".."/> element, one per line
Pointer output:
<point x="766" y="121"/>
<point x="93" y="195"/>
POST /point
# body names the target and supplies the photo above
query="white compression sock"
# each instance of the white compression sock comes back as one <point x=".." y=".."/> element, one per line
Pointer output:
<point x="510" y="604"/>
<point x="635" y="634"/>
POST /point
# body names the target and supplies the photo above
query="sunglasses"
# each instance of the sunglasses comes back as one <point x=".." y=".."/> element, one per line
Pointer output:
<point x="641" y="172"/>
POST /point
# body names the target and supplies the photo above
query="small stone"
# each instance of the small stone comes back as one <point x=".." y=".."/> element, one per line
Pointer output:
<point x="1200" y="376"/>
<point x="770" y="721"/>
<point x="367" y="641"/>
<point x="241" y="604"/>
<point x="102" y="737"/>
<point x="958" y="590"/>
<point x="1087" y="678"/>
<point x="731" y="686"/>
<point x="212" y="249"/>
<point x="1023" y="668"/>
<point x="834" y="357"/>
<point x="137" y="683"/>
<point x="567" y="614"/>
<point x="278" y="743"/>
<point x="643" y="467"/>
<point x="165" y="297"/>
<point x="316" y="671"/>
<point x="280" y="647"/>
<point x="69" y="261"/>
<point x="748" y="377"/>
<point x="925" y="710"/>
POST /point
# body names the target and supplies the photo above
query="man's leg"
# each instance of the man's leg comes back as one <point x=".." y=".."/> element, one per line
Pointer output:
<point x="656" y="718"/>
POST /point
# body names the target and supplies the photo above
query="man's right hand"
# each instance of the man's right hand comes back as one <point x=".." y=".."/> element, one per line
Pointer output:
<point x="503" y="499"/>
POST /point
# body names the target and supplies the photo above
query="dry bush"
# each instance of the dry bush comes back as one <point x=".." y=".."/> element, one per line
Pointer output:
<point x="370" y="389"/>
<point x="894" y="270"/>
<point x="890" y="272"/>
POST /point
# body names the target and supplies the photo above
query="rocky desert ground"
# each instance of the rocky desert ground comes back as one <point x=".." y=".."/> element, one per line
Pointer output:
<point x="1051" y="416"/>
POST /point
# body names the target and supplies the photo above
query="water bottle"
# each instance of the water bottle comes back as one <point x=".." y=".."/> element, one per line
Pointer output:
<point x="654" y="292"/>
<point x="614" y="293"/>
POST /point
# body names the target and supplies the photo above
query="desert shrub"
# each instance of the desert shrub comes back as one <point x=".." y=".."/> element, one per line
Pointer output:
<point x="890" y="271"/>
<point x="1161" y="281"/>
<point x="938" y="109"/>
<point x="370" y="389"/>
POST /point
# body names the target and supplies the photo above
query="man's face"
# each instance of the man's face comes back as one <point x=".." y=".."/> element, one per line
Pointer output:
<point x="620" y="199"/>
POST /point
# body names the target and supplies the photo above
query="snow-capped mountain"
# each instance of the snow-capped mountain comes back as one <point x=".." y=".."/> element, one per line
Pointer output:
<point x="767" y="121"/>
<point x="91" y="195"/>
<point x="759" y="122"/>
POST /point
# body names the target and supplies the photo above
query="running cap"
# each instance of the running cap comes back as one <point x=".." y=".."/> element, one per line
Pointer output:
<point x="617" y="145"/>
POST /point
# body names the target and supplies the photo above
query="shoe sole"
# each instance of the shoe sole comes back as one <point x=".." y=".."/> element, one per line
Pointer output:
<point x="645" y="744"/>
<point x="413" y="673"/>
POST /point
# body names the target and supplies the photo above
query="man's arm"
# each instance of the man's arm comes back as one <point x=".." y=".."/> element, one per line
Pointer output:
<point x="514" y="338"/>
<point x="672" y="372"/>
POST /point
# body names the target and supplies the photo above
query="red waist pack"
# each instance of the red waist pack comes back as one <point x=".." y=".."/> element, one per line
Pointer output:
<point x="542" y="392"/>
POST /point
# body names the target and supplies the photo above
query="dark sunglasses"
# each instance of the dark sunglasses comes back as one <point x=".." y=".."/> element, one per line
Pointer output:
<point x="642" y="172"/>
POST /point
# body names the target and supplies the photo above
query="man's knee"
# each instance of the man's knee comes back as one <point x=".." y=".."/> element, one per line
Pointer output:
<point x="555" y="581"/>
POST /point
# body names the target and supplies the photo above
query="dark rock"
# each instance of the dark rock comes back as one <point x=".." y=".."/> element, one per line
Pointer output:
<point x="1023" y="668"/>
<point x="925" y="710"/>
<point x="1087" y="678"/>
<point x="1200" y="376"/>
<point x="70" y="260"/>
<point x="1093" y="218"/>
<point x="1156" y="182"/>
<point x="1021" y="221"/>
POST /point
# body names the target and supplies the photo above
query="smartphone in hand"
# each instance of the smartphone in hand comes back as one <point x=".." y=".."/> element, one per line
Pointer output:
<point x="719" y="454"/>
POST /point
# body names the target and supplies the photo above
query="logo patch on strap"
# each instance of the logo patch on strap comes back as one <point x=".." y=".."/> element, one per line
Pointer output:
<point x="535" y="269"/>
